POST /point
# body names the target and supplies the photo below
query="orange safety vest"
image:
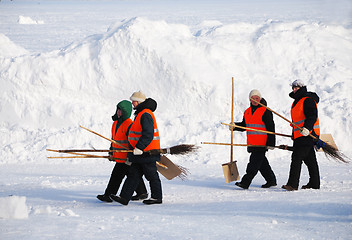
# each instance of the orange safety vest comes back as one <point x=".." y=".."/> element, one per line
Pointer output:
<point x="255" y="121"/>
<point x="136" y="132"/>
<point x="120" y="136"/>
<point x="298" y="118"/>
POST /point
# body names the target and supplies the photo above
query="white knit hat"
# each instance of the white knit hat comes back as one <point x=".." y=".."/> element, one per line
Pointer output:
<point x="297" y="83"/>
<point x="138" y="97"/>
<point x="255" y="92"/>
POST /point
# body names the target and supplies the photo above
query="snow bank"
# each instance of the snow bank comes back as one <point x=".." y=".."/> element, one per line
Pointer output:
<point x="13" y="207"/>
<point x="46" y="97"/>
<point x="9" y="49"/>
<point x="28" y="20"/>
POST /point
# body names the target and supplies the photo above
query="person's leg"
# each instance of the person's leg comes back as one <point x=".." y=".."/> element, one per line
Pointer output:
<point x="151" y="174"/>
<point x="267" y="173"/>
<point x="313" y="170"/>
<point x="141" y="192"/>
<point x="299" y="153"/>
<point x="118" y="173"/>
<point x="255" y="161"/>
<point x="133" y="178"/>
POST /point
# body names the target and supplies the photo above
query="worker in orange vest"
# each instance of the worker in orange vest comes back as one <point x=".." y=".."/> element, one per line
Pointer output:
<point x="304" y="113"/>
<point x="120" y="127"/>
<point x="259" y="118"/>
<point x="143" y="136"/>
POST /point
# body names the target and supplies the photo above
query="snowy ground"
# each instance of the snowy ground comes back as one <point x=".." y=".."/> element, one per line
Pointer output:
<point x="67" y="63"/>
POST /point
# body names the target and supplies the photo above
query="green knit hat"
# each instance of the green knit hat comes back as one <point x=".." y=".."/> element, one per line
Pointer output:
<point x="126" y="109"/>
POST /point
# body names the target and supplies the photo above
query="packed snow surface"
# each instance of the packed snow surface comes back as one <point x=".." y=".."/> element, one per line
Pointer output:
<point x="68" y="63"/>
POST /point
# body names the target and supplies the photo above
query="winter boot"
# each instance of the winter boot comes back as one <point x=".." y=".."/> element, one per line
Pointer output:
<point x="152" y="201"/>
<point x="119" y="199"/>
<point x="104" y="198"/>
<point x="241" y="185"/>
<point x="268" y="185"/>
<point x="289" y="188"/>
<point x="309" y="187"/>
<point x="139" y="197"/>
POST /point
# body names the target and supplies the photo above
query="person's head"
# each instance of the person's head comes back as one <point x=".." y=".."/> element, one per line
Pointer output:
<point x="123" y="110"/>
<point x="297" y="84"/>
<point x="137" y="98"/>
<point x="255" y="94"/>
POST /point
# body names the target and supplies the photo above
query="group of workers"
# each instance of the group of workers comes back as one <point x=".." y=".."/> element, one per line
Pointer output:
<point x="142" y="135"/>
<point x="304" y="114"/>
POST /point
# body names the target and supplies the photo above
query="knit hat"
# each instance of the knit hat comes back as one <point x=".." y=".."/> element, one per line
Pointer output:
<point x="254" y="92"/>
<point x="138" y="97"/>
<point x="298" y="83"/>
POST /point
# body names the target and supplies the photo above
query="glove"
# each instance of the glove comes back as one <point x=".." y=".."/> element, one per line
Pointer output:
<point x="231" y="127"/>
<point x="137" y="151"/>
<point x="270" y="147"/>
<point x="320" y="144"/>
<point x="305" y="132"/>
<point x="128" y="162"/>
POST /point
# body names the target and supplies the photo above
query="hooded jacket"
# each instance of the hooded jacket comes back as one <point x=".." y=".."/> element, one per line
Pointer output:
<point x="310" y="111"/>
<point x="148" y="126"/>
<point x="120" y="129"/>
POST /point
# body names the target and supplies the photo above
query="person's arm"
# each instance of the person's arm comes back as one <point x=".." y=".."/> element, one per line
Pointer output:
<point x="242" y="124"/>
<point x="270" y="126"/>
<point x="311" y="113"/>
<point x="147" y="131"/>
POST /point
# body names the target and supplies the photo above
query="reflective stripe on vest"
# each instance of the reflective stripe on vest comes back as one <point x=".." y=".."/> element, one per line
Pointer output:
<point x="136" y="132"/>
<point x="298" y="118"/>
<point x="255" y="121"/>
<point x="120" y="136"/>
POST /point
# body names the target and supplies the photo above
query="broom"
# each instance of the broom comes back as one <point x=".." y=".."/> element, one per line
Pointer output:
<point x="181" y="149"/>
<point x="81" y="155"/>
<point x="329" y="150"/>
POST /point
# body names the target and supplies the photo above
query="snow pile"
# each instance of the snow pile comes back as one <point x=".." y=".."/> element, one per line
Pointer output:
<point x="28" y="20"/>
<point x="13" y="207"/>
<point x="187" y="72"/>
<point x="186" y="64"/>
<point x="9" y="49"/>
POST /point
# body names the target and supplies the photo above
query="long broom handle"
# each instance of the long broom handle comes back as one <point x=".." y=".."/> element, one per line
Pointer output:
<point x="233" y="90"/>
<point x="113" y="141"/>
<point x="157" y="163"/>
<point x="282" y="117"/>
<point x="80" y="155"/>
<point x="242" y="145"/>
<point x="257" y="130"/>
<point x="87" y="150"/>
<point x="83" y="156"/>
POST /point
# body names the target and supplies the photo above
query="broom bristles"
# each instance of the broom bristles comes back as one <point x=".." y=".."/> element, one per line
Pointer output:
<point x="183" y="149"/>
<point x="331" y="152"/>
<point x="184" y="172"/>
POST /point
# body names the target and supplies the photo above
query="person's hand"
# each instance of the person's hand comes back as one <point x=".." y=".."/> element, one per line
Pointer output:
<point x="137" y="151"/>
<point x="128" y="162"/>
<point x="232" y="126"/>
<point x="305" y="132"/>
<point x="270" y="147"/>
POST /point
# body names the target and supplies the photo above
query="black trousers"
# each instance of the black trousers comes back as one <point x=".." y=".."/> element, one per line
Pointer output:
<point x="135" y="173"/>
<point x="258" y="162"/>
<point x="307" y="155"/>
<point x="118" y="173"/>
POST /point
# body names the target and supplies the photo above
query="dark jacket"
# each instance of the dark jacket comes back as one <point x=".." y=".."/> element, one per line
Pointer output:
<point x="310" y="111"/>
<point x="147" y="133"/>
<point x="269" y="124"/>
